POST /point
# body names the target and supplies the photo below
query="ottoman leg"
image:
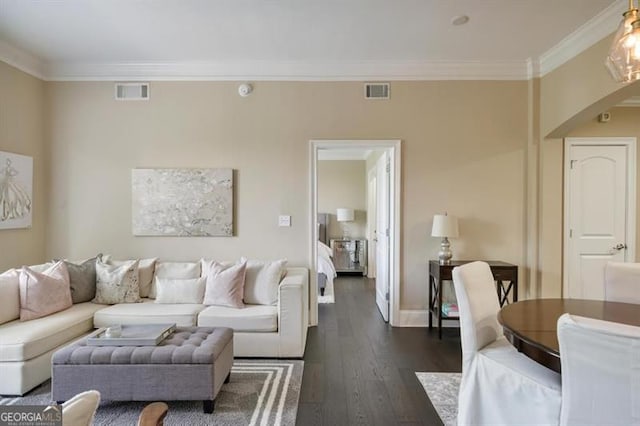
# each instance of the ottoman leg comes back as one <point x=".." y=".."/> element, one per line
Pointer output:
<point x="208" y="406"/>
<point x="228" y="379"/>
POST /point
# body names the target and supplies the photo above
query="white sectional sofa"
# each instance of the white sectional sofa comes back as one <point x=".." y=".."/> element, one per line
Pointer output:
<point x="26" y="347"/>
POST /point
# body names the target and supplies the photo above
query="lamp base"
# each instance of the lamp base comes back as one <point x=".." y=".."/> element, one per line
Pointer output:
<point x="445" y="254"/>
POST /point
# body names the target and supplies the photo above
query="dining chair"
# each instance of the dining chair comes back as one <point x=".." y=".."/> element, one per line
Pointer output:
<point x="499" y="385"/>
<point x="622" y="282"/>
<point x="80" y="410"/>
<point x="600" y="372"/>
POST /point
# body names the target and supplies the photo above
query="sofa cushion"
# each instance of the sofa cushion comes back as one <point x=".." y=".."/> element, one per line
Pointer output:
<point x="44" y="293"/>
<point x="253" y="318"/>
<point x="146" y="268"/>
<point x="262" y="281"/>
<point x="176" y="271"/>
<point x="117" y="283"/>
<point x="148" y="312"/>
<point x="9" y="295"/>
<point x="24" y="340"/>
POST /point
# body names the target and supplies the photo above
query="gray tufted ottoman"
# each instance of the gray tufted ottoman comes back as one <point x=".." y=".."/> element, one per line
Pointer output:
<point x="191" y="364"/>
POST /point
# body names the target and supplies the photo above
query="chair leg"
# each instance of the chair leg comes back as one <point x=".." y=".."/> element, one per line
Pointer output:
<point x="228" y="379"/>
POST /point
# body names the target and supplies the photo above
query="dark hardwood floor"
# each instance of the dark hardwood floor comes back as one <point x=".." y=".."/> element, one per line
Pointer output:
<point x="361" y="371"/>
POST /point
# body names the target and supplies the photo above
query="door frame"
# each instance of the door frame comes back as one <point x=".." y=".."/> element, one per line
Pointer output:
<point x="393" y="148"/>
<point x="630" y="144"/>
<point x="371" y="253"/>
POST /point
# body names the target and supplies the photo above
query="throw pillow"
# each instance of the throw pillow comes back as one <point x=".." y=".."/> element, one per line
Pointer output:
<point x="225" y="285"/>
<point x="146" y="268"/>
<point x="9" y="295"/>
<point x="42" y="294"/>
<point x="83" y="280"/>
<point x="262" y="281"/>
<point x="116" y="283"/>
<point x="180" y="291"/>
<point x="176" y="271"/>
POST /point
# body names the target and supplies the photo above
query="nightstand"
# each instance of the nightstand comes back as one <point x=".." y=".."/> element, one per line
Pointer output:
<point x="350" y="254"/>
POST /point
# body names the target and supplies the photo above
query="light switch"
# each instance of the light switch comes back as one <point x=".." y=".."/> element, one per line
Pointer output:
<point x="284" y="220"/>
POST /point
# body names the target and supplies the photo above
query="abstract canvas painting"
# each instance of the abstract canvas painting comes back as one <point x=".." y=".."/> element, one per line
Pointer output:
<point x="182" y="202"/>
<point x="16" y="190"/>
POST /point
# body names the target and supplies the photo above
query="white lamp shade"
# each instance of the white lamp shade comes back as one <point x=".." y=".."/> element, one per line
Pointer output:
<point x="444" y="226"/>
<point x="345" y="215"/>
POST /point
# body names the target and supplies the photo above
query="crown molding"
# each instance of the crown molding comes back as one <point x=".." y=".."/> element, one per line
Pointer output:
<point x="22" y="60"/>
<point x="289" y="71"/>
<point x="591" y="32"/>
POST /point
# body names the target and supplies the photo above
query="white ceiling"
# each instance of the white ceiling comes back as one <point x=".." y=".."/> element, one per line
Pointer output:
<point x="75" y="39"/>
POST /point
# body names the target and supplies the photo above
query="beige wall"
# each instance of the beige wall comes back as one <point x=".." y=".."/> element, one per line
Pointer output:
<point x="463" y="150"/>
<point x="21" y="132"/>
<point x="343" y="184"/>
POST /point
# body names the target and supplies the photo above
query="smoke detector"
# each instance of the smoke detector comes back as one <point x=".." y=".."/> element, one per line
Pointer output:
<point x="245" y="90"/>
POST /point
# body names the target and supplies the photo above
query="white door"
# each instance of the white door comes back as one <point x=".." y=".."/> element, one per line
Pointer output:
<point x="382" y="233"/>
<point x="371" y="224"/>
<point x="600" y="213"/>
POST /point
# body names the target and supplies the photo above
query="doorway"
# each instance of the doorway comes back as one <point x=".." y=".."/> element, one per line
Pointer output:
<point x="387" y="251"/>
<point x="599" y="211"/>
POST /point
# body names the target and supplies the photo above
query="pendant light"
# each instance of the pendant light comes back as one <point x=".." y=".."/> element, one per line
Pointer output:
<point x="623" y="61"/>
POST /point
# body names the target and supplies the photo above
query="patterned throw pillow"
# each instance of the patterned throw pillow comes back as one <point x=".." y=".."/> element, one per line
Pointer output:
<point x="117" y="283"/>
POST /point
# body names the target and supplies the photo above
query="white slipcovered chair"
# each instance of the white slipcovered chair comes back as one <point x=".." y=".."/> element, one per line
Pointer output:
<point x="600" y="372"/>
<point x="622" y="282"/>
<point x="499" y="385"/>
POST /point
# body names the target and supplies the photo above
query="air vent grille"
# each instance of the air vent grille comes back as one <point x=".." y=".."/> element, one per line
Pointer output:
<point x="376" y="90"/>
<point x="132" y="91"/>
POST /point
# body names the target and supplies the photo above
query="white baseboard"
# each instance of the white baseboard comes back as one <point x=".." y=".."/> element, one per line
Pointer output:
<point x="420" y="318"/>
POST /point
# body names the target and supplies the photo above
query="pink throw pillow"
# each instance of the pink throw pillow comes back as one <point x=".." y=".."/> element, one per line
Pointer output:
<point x="225" y="285"/>
<point x="42" y="294"/>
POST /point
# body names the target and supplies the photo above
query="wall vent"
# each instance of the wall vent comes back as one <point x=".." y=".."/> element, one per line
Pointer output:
<point x="376" y="90"/>
<point x="132" y="91"/>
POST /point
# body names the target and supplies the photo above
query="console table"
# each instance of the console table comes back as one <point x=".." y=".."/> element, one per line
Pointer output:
<point x="505" y="274"/>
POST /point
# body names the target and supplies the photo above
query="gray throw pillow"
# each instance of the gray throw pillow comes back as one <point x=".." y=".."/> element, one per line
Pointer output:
<point x="83" y="280"/>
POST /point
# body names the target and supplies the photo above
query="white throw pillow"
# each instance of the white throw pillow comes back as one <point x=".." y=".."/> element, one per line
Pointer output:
<point x="117" y="283"/>
<point x="170" y="290"/>
<point x="262" y="280"/>
<point x="176" y="271"/>
<point x="146" y="268"/>
<point x="80" y="410"/>
<point x="9" y="295"/>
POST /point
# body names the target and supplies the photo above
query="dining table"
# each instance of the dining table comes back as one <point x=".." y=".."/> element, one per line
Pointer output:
<point x="530" y="325"/>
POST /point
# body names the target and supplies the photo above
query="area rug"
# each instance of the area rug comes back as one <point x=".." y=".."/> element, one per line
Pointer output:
<point x="442" y="390"/>
<point x="261" y="392"/>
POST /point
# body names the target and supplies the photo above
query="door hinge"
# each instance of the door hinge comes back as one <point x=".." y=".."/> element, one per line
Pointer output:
<point x="570" y="233"/>
<point x="387" y="233"/>
<point x="387" y="296"/>
<point x="571" y="163"/>
<point x="388" y="168"/>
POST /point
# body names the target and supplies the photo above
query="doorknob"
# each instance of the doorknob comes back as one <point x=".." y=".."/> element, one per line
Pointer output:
<point x="620" y="247"/>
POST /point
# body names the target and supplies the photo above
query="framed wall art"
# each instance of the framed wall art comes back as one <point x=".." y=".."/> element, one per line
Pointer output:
<point x="16" y="190"/>
<point x="182" y="202"/>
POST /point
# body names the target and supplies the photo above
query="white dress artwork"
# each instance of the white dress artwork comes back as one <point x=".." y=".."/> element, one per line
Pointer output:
<point x="15" y="202"/>
<point x="15" y="190"/>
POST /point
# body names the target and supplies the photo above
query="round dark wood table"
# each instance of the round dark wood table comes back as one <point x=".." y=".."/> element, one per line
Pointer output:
<point x="531" y="324"/>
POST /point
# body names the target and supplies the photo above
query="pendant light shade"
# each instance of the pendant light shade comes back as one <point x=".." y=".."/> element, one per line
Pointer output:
<point x="623" y="61"/>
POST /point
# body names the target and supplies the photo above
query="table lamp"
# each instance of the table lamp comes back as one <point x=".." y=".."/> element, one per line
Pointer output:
<point x="445" y="226"/>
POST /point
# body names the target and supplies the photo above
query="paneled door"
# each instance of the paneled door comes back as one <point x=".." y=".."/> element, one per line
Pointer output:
<point x="599" y="211"/>
<point x="382" y="235"/>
